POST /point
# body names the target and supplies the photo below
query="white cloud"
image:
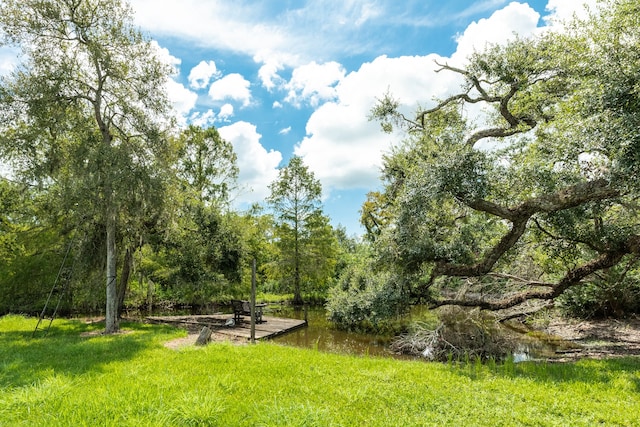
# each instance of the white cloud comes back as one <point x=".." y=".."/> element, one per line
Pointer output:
<point x="515" y="18"/>
<point x="562" y="10"/>
<point x="368" y="12"/>
<point x="285" y="131"/>
<point x="276" y="34"/>
<point x="183" y="99"/>
<point x="226" y="112"/>
<point x="258" y="167"/>
<point x="314" y="83"/>
<point x="166" y="57"/>
<point x="342" y="147"/>
<point x="204" y="120"/>
<point x="232" y="86"/>
<point x="268" y="74"/>
<point x="240" y="26"/>
<point x="201" y="75"/>
<point x="276" y="104"/>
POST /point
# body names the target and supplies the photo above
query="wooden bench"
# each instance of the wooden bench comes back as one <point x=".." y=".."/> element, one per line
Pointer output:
<point x="243" y="308"/>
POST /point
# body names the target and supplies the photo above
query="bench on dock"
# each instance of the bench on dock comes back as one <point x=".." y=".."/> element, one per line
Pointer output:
<point x="243" y="308"/>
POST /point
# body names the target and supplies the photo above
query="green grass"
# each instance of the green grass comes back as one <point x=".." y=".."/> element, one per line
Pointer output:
<point x="133" y="380"/>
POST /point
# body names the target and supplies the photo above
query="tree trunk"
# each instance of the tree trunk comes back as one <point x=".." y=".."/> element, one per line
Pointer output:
<point x="124" y="279"/>
<point x="297" y="295"/>
<point x="111" y="320"/>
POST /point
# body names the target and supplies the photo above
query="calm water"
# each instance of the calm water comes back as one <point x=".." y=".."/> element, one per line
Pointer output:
<point x="321" y="335"/>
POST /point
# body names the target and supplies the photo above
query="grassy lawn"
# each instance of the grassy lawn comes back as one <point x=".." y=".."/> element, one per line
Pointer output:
<point x="132" y="379"/>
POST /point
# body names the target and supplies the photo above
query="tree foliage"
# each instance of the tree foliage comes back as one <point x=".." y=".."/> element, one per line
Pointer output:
<point x="206" y="164"/>
<point x="540" y="196"/>
<point x="83" y="115"/>
<point x="365" y="296"/>
<point x="304" y="237"/>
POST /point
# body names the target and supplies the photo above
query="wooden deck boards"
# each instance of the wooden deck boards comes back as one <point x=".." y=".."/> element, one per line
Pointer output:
<point x="273" y="326"/>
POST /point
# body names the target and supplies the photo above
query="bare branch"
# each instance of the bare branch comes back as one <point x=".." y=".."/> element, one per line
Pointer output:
<point x="515" y="124"/>
<point x="521" y="280"/>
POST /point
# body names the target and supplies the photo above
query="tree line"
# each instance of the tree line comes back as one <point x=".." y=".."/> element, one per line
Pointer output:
<point x="533" y="204"/>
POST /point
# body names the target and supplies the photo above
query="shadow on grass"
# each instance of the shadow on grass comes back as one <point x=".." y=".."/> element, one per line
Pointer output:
<point x="586" y="371"/>
<point x="70" y="348"/>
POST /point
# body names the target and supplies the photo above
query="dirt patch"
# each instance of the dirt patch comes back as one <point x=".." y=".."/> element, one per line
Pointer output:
<point x="597" y="339"/>
<point x="100" y="333"/>
<point x="190" y="340"/>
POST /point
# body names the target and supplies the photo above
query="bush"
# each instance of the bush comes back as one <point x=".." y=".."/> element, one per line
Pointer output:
<point x="459" y="335"/>
<point x="614" y="293"/>
<point x="365" y="300"/>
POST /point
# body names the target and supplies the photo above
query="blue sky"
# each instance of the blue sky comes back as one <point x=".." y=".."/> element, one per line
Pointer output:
<point x="285" y="77"/>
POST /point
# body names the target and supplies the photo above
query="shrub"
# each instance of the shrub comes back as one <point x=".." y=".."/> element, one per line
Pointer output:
<point x="364" y="299"/>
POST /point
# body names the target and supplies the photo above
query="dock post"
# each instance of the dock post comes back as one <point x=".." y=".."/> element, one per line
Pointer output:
<point x="253" y="302"/>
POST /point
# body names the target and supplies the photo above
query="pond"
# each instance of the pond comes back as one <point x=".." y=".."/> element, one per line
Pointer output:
<point x="321" y="335"/>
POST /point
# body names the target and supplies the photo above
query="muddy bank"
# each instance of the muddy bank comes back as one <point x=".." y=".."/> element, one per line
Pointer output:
<point x="597" y="339"/>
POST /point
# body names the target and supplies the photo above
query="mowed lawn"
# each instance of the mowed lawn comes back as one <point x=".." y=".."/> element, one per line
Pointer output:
<point x="72" y="378"/>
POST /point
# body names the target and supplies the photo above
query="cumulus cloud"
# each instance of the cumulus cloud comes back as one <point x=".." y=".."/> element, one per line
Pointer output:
<point x="268" y="74"/>
<point x="201" y="75"/>
<point x="314" y="83"/>
<point x="515" y="18"/>
<point x="232" y="86"/>
<point x="342" y="147"/>
<point x="183" y="99"/>
<point x="204" y="119"/>
<point x="226" y="112"/>
<point x="258" y="167"/>
<point x="562" y="10"/>
<point x="166" y="57"/>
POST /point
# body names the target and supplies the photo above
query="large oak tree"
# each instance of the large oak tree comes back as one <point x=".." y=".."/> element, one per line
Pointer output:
<point x="542" y="195"/>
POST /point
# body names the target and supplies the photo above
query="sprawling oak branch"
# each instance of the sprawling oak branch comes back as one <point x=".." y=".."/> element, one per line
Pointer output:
<point x="514" y="124"/>
<point x="519" y="217"/>
<point x="571" y="278"/>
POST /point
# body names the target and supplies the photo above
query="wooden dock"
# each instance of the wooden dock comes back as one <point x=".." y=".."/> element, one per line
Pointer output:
<point x="272" y="327"/>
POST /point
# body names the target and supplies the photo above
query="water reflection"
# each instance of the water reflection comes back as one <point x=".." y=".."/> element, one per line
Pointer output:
<point x="322" y="336"/>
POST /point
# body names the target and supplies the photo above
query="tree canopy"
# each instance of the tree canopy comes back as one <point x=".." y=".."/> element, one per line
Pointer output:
<point x="84" y="115"/>
<point x="537" y="197"/>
